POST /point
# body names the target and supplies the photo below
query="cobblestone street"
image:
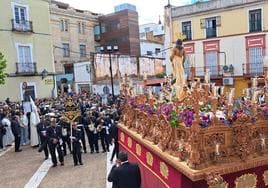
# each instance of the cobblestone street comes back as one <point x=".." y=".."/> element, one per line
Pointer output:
<point x="17" y="169"/>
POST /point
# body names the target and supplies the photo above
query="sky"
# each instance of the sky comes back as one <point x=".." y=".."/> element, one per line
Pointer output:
<point x="149" y="10"/>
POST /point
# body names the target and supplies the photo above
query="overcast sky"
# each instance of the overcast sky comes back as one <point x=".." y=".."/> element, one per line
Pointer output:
<point x="149" y="10"/>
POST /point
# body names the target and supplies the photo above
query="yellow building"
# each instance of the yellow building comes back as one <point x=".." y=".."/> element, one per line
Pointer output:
<point x="227" y="37"/>
<point x="25" y="41"/>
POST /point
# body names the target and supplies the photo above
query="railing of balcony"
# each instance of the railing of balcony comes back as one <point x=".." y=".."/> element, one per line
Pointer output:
<point x="215" y="71"/>
<point x="253" y="69"/>
<point x="26" y="68"/>
<point x="22" y="25"/>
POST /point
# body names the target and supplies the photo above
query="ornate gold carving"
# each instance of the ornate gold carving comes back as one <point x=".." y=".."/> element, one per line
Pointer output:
<point x="215" y="180"/>
<point x="149" y="158"/>
<point x="164" y="170"/>
<point x="71" y="112"/>
<point x="246" y="181"/>
<point x="129" y="142"/>
<point x="265" y="177"/>
<point x="138" y="149"/>
<point x="122" y="137"/>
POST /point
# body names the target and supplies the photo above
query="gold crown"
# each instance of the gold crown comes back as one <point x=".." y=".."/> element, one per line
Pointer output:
<point x="180" y="36"/>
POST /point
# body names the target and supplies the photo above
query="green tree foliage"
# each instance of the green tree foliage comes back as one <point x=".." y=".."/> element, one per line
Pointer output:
<point x="3" y="65"/>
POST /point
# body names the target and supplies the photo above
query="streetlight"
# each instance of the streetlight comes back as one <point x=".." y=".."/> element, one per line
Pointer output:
<point x="44" y="74"/>
<point x="110" y="49"/>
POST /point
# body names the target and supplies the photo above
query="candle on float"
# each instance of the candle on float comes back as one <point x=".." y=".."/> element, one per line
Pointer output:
<point x="193" y="85"/>
<point x="145" y="75"/>
<point x="222" y="90"/>
<point x="244" y="92"/>
<point x="215" y="91"/>
<point x="254" y="95"/>
<point x="263" y="142"/>
<point x="170" y="97"/>
<point x="207" y="76"/>
<point x="150" y="93"/>
<point x="254" y="82"/>
<point x="217" y="149"/>
<point x="248" y="93"/>
<point x="161" y="96"/>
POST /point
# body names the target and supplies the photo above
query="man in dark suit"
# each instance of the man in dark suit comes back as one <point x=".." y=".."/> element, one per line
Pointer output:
<point x="15" y="127"/>
<point x="125" y="174"/>
<point x="54" y="134"/>
<point x="42" y="132"/>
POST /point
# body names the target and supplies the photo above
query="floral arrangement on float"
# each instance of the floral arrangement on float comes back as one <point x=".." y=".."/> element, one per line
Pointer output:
<point x="183" y="115"/>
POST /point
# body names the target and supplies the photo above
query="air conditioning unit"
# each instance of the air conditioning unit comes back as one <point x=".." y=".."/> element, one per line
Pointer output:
<point x="228" y="81"/>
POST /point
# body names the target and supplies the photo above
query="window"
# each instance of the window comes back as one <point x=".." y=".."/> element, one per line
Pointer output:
<point x="83" y="51"/>
<point x="66" y="50"/>
<point x="83" y="28"/>
<point x="79" y="27"/>
<point x="211" y="25"/>
<point x="25" y="55"/>
<point x="187" y="30"/>
<point x="212" y="62"/>
<point x="149" y="53"/>
<point x="255" y="60"/>
<point x="61" y="25"/>
<point x="25" y="62"/>
<point x="20" y="20"/>
<point x="68" y="68"/>
<point x="20" y="14"/>
<point x="64" y="25"/>
<point x="255" y="20"/>
<point x="157" y="51"/>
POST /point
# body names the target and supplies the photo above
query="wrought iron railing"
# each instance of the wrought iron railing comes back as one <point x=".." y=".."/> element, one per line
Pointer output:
<point x="253" y="69"/>
<point x="215" y="71"/>
<point x="22" y="25"/>
<point x="26" y="68"/>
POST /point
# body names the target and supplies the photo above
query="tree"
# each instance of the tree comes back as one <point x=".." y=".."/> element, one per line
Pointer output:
<point x="3" y="65"/>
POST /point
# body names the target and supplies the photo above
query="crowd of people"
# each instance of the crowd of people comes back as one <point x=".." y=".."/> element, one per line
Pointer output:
<point x="42" y="125"/>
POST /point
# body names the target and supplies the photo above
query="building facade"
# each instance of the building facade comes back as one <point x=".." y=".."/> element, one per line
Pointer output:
<point x="121" y="29"/>
<point x="26" y="43"/>
<point x="152" y="38"/>
<point x="227" y="37"/>
<point x="73" y="39"/>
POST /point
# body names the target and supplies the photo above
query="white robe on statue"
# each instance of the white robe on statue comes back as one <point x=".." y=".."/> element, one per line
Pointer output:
<point x="34" y="120"/>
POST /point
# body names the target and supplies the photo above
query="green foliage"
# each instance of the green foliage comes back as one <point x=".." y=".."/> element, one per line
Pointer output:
<point x="174" y="122"/>
<point x="161" y="75"/>
<point x="3" y="65"/>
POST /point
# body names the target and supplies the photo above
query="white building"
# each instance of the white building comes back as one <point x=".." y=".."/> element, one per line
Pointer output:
<point x="152" y="40"/>
<point x="82" y="77"/>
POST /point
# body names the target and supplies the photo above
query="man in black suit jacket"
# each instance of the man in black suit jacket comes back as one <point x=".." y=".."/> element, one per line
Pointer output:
<point x="125" y="174"/>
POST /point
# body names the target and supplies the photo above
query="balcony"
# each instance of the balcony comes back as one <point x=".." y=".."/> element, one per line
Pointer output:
<point x="22" y="26"/>
<point x="253" y="69"/>
<point x="216" y="72"/>
<point x="26" y="68"/>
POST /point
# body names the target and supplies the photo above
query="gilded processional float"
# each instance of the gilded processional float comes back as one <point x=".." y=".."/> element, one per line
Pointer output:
<point x="195" y="134"/>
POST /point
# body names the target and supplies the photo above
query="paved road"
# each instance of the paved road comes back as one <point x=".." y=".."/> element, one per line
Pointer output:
<point x="16" y="170"/>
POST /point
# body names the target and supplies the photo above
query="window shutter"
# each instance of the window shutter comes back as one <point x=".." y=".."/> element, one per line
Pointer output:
<point x="218" y="21"/>
<point x="202" y="23"/>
